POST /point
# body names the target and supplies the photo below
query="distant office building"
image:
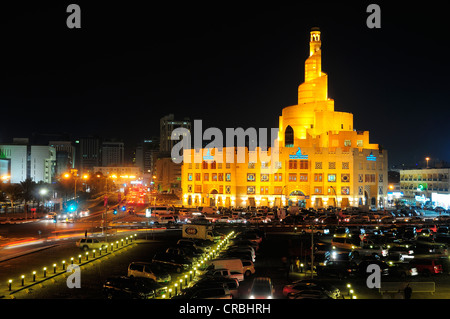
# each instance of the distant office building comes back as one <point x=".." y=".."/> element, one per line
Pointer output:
<point x="88" y="153"/>
<point x="21" y="161"/>
<point x="167" y="125"/>
<point x="65" y="156"/>
<point x="168" y="176"/>
<point x="112" y="153"/>
<point x="146" y="156"/>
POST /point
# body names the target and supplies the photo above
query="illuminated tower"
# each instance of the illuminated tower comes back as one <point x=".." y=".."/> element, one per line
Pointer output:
<point x="314" y="114"/>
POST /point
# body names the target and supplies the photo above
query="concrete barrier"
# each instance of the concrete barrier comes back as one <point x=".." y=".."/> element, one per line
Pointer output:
<point x="398" y="287"/>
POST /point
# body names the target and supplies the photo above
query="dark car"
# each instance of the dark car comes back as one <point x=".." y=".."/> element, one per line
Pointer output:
<point x="339" y="268"/>
<point x="205" y="292"/>
<point x="310" y="294"/>
<point x="402" y="270"/>
<point x="131" y="288"/>
<point x="311" y="284"/>
<point x="172" y="262"/>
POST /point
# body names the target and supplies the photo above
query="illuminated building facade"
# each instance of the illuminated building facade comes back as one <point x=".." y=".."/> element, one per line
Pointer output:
<point x="427" y="185"/>
<point x="320" y="161"/>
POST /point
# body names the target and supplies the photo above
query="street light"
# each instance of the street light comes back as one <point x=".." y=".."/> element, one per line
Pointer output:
<point x="43" y="192"/>
<point x="427" y="159"/>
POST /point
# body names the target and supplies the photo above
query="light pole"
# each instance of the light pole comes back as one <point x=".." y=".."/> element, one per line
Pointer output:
<point x="427" y="159"/>
<point x="43" y="192"/>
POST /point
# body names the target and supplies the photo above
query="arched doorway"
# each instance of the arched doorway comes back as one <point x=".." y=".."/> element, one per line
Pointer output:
<point x="297" y="198"/>
<point x="212" y="199"/>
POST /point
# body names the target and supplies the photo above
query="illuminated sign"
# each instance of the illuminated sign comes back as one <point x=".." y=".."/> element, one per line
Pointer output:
<point x="190" y="230"/>
<point x="422" y="187"/>
<point x="298" y="155"/>
<point x="208" y="156"/>
<point x="371" y="157"/>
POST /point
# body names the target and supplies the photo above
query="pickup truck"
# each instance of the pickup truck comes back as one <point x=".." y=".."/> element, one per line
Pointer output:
<point x="224" y="273"/>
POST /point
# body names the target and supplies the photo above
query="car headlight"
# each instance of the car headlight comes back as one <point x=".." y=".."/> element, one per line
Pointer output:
<point x="252" y="297"/>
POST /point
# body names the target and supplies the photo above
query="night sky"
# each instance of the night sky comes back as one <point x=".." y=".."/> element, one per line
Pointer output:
<point x="229" y="65"/>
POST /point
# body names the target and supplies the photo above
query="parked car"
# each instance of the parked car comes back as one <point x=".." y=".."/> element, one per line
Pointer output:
<point x="230" y="283"/>
<point x="224" y="273"/>
<point x="427" y="266"/>
<point x="131" y="288"/>
<point x="148" y="270"/>
<point x="166" y="220"/>
<point x="368" y="249"/>
<point x="238" y="220"/>
<point x="344" y="242"/>
<point x="310" y="294"/>
<point x="311" y="284"/>
<point x="339" y="268"/>
<point x="204" y="292"/>
<point x="249" y="268"/>
<point x="172" y="262"/>
<point x="185" y="252"/>
<point x="401" y="252"/>
<point x="261" y="288"/>
<point x="402" y="270"/>
<point x="90" y="243"/>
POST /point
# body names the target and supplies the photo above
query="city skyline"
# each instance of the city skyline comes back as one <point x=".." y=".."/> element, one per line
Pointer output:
<point x="118" y="78"/>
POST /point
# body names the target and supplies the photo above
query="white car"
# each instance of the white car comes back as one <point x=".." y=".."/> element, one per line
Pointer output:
<point x="51" y="215"/>
<point x="223" y="219"/>
<point x="90" y="243"/>
<point x="239" y="220"/>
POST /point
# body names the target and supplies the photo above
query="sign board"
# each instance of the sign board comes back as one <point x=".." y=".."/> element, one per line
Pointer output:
<point x="298" y="155"/>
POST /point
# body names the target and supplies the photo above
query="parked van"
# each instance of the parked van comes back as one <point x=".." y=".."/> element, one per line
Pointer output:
<point x="232" y="264"/>
<point x="148" y="270"/>
<point x="344" y="242"/>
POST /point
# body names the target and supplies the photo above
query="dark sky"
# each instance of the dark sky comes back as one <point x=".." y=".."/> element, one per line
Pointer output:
<point x="227" y="64"/>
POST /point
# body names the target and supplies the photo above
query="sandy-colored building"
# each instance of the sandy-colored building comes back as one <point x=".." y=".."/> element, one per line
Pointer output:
<point x="320" y="160"/>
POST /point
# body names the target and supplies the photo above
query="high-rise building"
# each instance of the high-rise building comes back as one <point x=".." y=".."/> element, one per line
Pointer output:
<point x="167" y="125"/>
<point x="320" y="159"/>
<point x="87" y="153"/>
<point x="112" y="153"/>
<point x="65" y="156"/>
<point x="146" y="155"/>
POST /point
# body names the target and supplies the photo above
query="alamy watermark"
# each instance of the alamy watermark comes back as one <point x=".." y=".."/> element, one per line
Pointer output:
<point x="74" y="279"/>
<point x="222" y="147"/>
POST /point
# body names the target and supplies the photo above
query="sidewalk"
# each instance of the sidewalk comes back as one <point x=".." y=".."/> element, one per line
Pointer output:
<point x="23" y="285"/>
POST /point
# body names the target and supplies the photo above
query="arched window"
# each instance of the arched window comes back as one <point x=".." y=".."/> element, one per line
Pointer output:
<point x="289" y="137"/>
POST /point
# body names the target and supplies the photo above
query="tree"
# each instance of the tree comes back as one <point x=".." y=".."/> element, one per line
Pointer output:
<point x="28" y="187"/>
<point x="13" y="192"/>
